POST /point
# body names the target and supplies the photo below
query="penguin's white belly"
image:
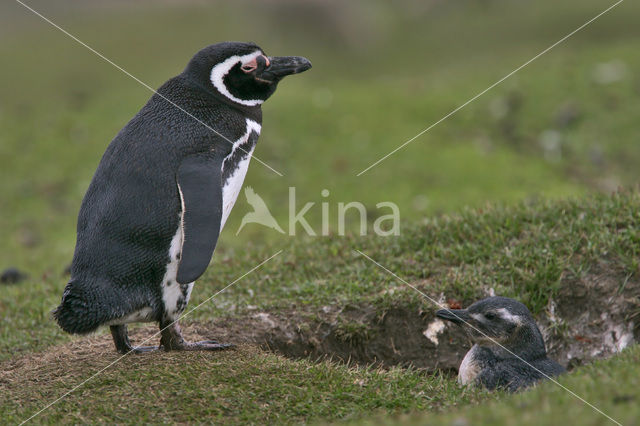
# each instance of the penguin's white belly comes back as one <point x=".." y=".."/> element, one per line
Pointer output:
<point x="234" y="182"/>
<point x="469" y="368"/>
<point x="175" y="296"/>
<point x="232" y="188"/>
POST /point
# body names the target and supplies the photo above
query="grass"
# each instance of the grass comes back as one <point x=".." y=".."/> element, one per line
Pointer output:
<point x="608" y="385"/>
<point x="546" y="147"/>
<point x="251" y="386"/>
<point x="524" y="251"/>
<point x="342" y="114"/>
<point x="246" y="385"/>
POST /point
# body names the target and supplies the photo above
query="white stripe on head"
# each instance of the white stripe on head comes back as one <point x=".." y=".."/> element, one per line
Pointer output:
<point x="508" y="316"/>
<point x="219" y="71"/>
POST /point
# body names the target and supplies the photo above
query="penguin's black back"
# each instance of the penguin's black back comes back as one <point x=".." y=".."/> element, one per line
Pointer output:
<point x="131" y="210"/>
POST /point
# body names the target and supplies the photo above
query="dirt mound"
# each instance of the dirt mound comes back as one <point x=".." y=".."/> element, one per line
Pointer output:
<point x="592" y="317"/>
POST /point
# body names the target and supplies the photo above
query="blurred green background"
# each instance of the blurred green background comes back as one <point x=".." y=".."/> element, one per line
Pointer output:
<point x="565" y="125"/>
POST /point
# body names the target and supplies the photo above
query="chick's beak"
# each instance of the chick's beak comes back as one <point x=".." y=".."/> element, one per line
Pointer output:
<point x="281" y="66"/>
<point x="456" y="316"/>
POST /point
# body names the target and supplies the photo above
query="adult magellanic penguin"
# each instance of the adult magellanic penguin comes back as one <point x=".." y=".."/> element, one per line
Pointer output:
<point x="150" y="220"/>
<point x="509" y="351"/>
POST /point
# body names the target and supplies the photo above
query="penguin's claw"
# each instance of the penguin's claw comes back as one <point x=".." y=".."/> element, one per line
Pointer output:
<point x="138" y="349"/>
<point x="144" y="349"/>
<point x="208" y="345"/>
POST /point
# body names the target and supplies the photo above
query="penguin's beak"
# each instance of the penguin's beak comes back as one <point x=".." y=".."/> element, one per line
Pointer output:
<point x="456" y="316"/>
<point x="281" y="66"/>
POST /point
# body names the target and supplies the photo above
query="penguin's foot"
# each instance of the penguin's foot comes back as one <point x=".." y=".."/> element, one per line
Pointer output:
<point x="123" y="345"/>
<point x="172" y="340"/>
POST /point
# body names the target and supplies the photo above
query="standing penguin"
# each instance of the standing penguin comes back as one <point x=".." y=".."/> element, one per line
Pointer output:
<point x="150" y="220"/>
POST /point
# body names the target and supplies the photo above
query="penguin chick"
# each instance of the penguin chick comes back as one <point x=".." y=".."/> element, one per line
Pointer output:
<point x="150" y="220"/>
<point x="502" y="330"/>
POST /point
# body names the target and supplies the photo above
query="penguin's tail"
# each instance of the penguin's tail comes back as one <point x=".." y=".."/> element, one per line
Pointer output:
<point x="80" y="312"/>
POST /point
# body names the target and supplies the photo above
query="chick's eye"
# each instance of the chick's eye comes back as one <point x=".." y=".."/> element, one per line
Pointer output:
<point x="490" y="316"/>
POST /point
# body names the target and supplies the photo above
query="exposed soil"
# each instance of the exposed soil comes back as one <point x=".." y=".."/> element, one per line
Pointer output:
<point x="591" y="318"/>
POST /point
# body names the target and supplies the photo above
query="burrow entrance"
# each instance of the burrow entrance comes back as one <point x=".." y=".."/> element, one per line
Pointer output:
<point x="590" y="318"/>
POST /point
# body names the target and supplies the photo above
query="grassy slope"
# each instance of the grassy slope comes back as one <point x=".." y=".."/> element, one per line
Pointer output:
<point x="522" y="252"/>
<point x="246" y="385"/>
<point x="609" y="385"/>
<point x="249" y="385"/>
<point x="529" y="249"/>
<point x="365" y="96"/>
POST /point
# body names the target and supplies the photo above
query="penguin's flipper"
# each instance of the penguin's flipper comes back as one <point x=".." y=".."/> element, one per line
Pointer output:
<point x="200" y="185"/>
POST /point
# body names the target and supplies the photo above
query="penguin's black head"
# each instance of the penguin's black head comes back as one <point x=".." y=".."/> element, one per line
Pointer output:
<point x="241" y="72"/>
<point x="504" y="320"/>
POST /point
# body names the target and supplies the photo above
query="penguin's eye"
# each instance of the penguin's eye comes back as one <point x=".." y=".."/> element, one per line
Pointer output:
<point x="490" y="316"/>
<point x="249" y="66"/>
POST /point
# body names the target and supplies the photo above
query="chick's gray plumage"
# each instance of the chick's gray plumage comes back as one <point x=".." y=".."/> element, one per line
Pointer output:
<point x="508" y="352"/>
